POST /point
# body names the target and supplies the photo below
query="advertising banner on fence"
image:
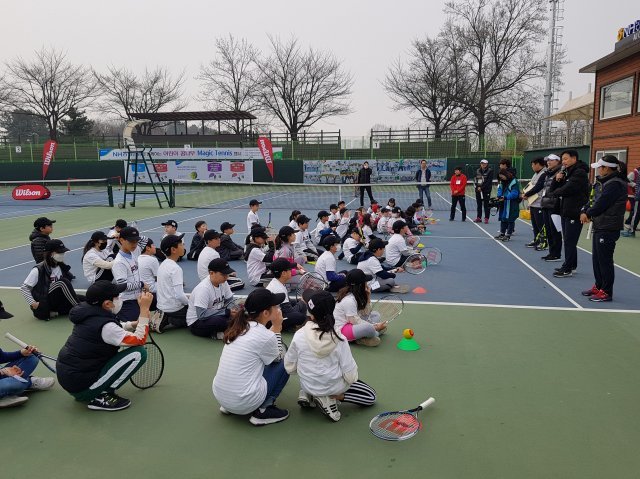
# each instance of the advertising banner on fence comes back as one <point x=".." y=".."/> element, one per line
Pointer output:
<point x="170" y="154"/>
<point x="48" y="152"/>
<point x="264" y="144"/>
<point x="229" y="171"/>
<point x="384" y="171"/>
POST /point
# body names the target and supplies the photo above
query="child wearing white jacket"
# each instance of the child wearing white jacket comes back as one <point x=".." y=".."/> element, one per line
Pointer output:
<point x="322" y="358"/>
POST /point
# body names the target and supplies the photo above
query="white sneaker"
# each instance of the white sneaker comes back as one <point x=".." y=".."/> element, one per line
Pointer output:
<point x="219" y="335"/>
<point x="155" y="321"/>
<point x="329" y="407"/>
<point x="372" y="342"/>
<point x="53" y="314"/>
<point x="41" y="384"/>
<point x="305" y="400"/>
<point x="10" y="401"/>
<point x="224" y="411"/>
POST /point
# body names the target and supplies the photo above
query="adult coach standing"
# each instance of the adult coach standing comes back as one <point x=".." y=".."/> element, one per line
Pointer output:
<point x="572" y="186"/>
<point x="423" y="178"/>
<point x="607" y="214"/>
<point x="483" y="183"/>
<point x="364" y="180"/>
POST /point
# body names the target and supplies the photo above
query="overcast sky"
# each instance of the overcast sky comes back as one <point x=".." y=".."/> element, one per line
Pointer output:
<point x="366" y="35"/>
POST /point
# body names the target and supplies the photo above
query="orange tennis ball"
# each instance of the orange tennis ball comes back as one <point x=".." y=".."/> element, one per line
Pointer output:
<point x="408" y="333"/>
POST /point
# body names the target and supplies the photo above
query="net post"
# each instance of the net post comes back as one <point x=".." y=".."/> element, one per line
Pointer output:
<point x="172" y="194"/>
<point x="68" y="186"/>
<point x="110" y="194"/>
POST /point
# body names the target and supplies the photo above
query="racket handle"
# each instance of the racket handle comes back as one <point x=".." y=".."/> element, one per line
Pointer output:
<point x="427" y="403"/>
<point x="11" y="337"/>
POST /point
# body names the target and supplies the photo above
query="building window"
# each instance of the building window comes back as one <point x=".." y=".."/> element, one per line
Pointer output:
<point x="619" y="154"/>
<point x="616" y="99"/>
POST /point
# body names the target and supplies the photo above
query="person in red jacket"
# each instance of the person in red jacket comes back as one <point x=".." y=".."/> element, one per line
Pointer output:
<point x="458" y="185"/>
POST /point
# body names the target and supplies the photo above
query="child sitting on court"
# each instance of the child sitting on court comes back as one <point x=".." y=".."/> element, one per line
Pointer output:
<point x="383" y="222"/>
<point x="335" y="213"/>
<point x="197" y="242"/>
<point x="293" y="217"/>
<point x="322" y="358"/>
<point x="16" y="378"/>
<point x="96" y="263"/>
<point x="326" y="265"/>
<point x="285" y="249"/>
<point x="258" y="257"/>
<point x="353" y="246"/>
<point x="342" y="230"/>
<point x="148" y="266"/>
<point x="228" y="249"/>
<point x="294" y="312"/>
<point x="353" y="301"/>
<point x="396" y="251"/>
<point x="384" y="277"/>
<point x="303" y="246"/>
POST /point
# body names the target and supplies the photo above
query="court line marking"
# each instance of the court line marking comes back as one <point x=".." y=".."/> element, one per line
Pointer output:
<point x="531" y="268"/>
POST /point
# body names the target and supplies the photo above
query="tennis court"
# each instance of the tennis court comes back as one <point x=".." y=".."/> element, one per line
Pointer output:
<point x="531" y="379"/>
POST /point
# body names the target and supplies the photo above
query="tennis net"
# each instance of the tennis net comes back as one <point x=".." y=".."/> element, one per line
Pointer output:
<point x="71" y="192"/>
<point x="308" y="198"/>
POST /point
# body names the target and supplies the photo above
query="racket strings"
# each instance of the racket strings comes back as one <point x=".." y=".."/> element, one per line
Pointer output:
<point x="151" y="371"/>
<point x="395" y="426"/>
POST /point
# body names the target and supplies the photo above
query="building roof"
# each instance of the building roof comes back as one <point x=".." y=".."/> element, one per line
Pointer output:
<point x="194" y="115"/>
<point x="580" y="108"/>
<point x="611" y="58"/>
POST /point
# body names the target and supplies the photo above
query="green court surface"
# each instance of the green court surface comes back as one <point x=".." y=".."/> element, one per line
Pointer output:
<point x="521" y="393"/>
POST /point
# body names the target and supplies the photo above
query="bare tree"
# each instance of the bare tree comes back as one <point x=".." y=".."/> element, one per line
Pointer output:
<point x="124" y="93"/>
<point x="229" y="80"/>
<point x="499" y="41"/>
<point x="49" y="87"/>
<point x="300" y="87"/>
<point x="429" y="84"/>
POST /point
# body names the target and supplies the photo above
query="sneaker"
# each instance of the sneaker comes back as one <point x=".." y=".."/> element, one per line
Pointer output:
<point x="41" y="384"/>
<point x="591" y="292"/>
<point x="628" y="234"/>
<point x="541" y="248"/>
<point x="268" y="415"/>
<point x="224" y="411"/>
<point x="506" y="238"/>
<point x="305" y="400"/>
<point x="551" y="259"/>
<point x="375" y="341"/>
<point x="158" y="321"/>
<point x="53" y="314"/>
<point x="499" y="237"/>
<point x="477" y="220"/>
<point x="329" y="407"/>
<point x="400" y="289"/>
<point x="109" y="402"/>
<point x="533" y="244"/>
<point x="11" y="401"/>
<point x="451" y="219"/>
<point x="601" y="297"/>
<point x="573" y="270"/>
<point x="486" y="221"/>
<point x="219" y="335"/>
<point x="563" y="274"/>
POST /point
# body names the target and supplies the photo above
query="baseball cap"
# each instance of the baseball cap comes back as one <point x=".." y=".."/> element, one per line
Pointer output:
<point x="211" y="234"/>
<point x="170" y="223"/>
<point x="220" y="265"/>
<point x="42" y="222"/>
<point x="398" y="225"/>
<point x="357" y="276"/>
<point x="484" y="161"/>
<point x="377" y="244"/>
<point x="261" y="299"/>
<point x="170" y="241"/>
<point x="320" y="303"/>
<point x="55" y="246"/>
<point x="226" y="225"/>
<point x="259" y="233"/>
<point x="333" y="206"/>
<point x="144" y="242"/>
<point x="552" y="157"/>
<point x="285" y="232"/>
<point x="280" y="264"/>
<point x="302" y="219"/>
<point x="103" y="290"/>
<point x="323" y="213"/>
<point x="130" y="233"/>
<point x="254" y="202"/>
<point x="99" y="235"/>
<point x="121" y="224"/>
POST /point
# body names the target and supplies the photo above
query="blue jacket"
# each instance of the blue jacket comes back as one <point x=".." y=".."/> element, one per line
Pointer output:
<point x="509" y="211"/>
<point x="428" y="173"/>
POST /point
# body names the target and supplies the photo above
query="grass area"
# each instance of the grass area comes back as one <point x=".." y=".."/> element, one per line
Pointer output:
<point x="527" y="395"/>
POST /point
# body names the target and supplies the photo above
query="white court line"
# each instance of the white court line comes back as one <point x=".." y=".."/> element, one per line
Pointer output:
<point x="46" y="209"/>
<point x="535" y="271"/>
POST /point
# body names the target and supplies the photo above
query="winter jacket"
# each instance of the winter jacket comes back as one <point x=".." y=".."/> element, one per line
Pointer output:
<point x="547" y="200"/>
<point x="228" y="249"/>
<point x="197" y="245"/>
<point x="573" y="190"/>
<point x="509" y="210"/>
<point x="484" y="180"/>
<point x="427" y="172"/>
<point x="458" y="189"/>
<point x="609" y="206"/>
<point x="364" y="176"/>
<point x="38" y="240"/>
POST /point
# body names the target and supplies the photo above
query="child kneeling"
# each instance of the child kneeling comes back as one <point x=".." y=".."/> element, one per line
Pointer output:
<point x="322" y="358"/>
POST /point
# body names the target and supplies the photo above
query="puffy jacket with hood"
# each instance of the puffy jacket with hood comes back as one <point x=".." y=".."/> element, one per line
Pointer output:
<point x="38" y="240"/>
<point x="573" y="190"/>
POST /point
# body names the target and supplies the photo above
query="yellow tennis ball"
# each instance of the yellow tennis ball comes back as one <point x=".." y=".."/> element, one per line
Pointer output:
<point x="408" y="333"/>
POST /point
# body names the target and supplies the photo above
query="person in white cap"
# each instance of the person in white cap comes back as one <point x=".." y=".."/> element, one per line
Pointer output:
<point x="607" y="214"/>
<point x="530" y="193"/>
<point x="551" y="206"/>
<point x="483" y="182"/>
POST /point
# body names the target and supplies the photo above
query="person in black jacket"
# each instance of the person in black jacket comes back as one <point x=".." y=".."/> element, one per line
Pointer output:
<point x="423" y="178"/>
<point x="571" y="185"/>
<point x="42" y="229"/>
<point x="197" y="242"/>
<point x="483" y="182"/>
<point x="534" y="187"/>
<point x="607" y="215"/>
<point x="364" y="179"/>
<point x="228" y="249"/>
<point x="551" y="206"/>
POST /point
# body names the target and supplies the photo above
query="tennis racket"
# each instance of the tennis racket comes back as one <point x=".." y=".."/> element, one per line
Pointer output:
<point x="151" y="371"/>
<point x="310" y="280"/>
<point x="415" y="264"/>
<point x="398" y="425"/>
<point x="433" y="255"/>
<point x="387" y="308"/>
<point x="47" y="361"/>
<point x="269" y="229"/>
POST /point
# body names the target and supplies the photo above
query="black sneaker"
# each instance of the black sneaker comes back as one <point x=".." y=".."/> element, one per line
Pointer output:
<point x="269" y="415"/>
<point x="506" y="238"/>
<point x="109" y="402"/>
<point x="563" y="274"/>
<point x="499" y="237"/>
<point x="552" y="259"/>
<point x="533" y="244"/>
<point x="573" y="270"/>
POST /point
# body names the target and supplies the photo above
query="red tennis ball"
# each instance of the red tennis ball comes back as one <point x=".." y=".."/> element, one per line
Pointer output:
<point x="408" y="333"/>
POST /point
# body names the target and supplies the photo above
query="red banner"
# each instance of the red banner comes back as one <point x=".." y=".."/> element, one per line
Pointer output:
<point x="48" y="152"/>
<point x="267" y="152"/>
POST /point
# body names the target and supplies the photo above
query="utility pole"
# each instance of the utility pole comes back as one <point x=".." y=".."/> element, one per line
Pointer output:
<point x="554" y="41"/>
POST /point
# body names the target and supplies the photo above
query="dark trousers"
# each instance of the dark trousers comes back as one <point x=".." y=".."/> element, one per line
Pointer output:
<point x="636" y="216"/>
<point x="554" y="237"/>
<point x="423" y="190"/>
<point x="362" y="189"/>
<point x="130" y="311"/>
<point x="507" y="227"/>
<point x="463" y="207"/>
<point x="537" y="221"/>
<point x="61" y="298"/>
<point x="632" y="202"/>
<point x="335" y="286"/>
<point x="209" y="326"/>
<point x="571" y="230"/>
<point x="294" y="313"/>
<point x="603" y="246"/>
<point x="482" y="201"/>
<point x="104" y="275"/>
<point x="175" y="319"/>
